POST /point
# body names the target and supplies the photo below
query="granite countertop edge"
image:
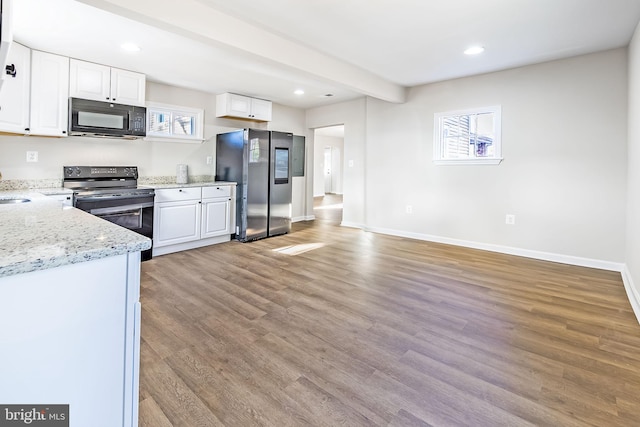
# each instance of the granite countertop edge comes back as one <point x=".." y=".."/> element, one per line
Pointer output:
<point x="44" y="234"/>
<point x="73" y="258"/>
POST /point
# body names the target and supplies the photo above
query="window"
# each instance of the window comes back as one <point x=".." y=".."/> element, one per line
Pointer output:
<point x="174" y="123"/>
<point x="468" y="137"/>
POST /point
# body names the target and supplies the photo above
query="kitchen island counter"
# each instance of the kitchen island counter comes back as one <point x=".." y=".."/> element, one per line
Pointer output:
<point x="43" y="234"/>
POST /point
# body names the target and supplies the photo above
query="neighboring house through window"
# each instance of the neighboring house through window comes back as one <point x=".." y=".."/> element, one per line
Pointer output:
<point x="468" y="136"/>
<point x="174" y="123"/>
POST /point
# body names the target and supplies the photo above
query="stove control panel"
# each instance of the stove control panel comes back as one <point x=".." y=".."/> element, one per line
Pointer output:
<point x="107" y="172"/>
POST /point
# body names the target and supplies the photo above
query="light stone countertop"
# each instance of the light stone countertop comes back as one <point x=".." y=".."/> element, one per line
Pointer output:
<point x="43" y="234"/>
<point x="159" y="186"/>
<point x="49" y="191"/>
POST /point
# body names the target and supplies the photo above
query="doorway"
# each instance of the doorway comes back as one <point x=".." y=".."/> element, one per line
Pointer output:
<point x="328" y="160"/>
<point x="328" y="173"/>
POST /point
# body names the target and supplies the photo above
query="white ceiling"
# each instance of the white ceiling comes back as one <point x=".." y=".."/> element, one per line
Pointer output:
<point x="347" y="48"/>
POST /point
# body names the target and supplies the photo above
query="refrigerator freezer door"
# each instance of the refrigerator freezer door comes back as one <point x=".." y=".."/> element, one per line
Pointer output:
<point x="256" y="183"/>
<point x="280" y="183"/>
<point x="230" y="167"/>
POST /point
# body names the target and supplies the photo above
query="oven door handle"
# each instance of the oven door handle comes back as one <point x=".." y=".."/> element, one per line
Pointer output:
<point x="121" y="209"/>
<point x="103" y="198"/>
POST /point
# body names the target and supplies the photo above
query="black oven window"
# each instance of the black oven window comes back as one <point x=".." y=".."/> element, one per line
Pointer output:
<point x="130" y="219"/>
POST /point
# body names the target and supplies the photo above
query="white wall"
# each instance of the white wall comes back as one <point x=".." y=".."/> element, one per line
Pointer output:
<point x="152" y="158"/>
<point x="353" y="115"/>
<point x="632" y="253"/>
<point x="287" y="119"/>
<point x="564" y="169"/>
<point x="564" y="176"/>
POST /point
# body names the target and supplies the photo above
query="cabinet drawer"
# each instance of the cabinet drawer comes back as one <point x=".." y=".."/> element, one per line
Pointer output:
<point x="216" y="191"/>
<point x="177" y="194"/>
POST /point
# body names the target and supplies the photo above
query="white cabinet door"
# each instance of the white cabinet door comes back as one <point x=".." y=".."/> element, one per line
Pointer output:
<point x="14" y="96"/>
<point x="127" y="87"/>
<point x="102" y="83"/>
<point x="238" y="105"/>
<point x="176" y="222"/>
<point x="65" y="199"/>
<point x="232" y="105"/>
<point x="261" y="109"/>
<point x="216" y="217"/>
<point x="49" y="94"/>
<point x="89" y="81"/>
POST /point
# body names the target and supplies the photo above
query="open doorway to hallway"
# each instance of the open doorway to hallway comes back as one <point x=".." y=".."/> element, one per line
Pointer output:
<point x="328" y="173"/>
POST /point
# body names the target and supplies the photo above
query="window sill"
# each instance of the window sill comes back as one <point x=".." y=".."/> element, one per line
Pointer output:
<point x="173" y="139"/>
<point x="495" y="161"/>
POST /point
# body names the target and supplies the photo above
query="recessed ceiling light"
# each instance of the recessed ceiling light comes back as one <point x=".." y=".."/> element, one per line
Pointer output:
<point x="298" y="92"/>
<point x="474" y="50"/>
<point x="130" y="47"/>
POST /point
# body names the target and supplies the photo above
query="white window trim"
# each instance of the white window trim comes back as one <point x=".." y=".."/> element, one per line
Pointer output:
<point x="198" y="113"/>
<point x="437" y="132"/>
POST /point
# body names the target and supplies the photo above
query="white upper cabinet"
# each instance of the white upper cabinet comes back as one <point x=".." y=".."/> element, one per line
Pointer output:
<point x="244" y="107"/>
<point x="261" y="109"/>
<point x="89" y="81"/>
<point x="14" y="96"/>
<point x="127" y="87"/>
<point x="49" y="94"/>
<point x="102" y="83"/>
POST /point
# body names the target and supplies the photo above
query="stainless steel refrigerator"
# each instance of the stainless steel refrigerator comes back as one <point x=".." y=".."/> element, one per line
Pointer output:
<point x="260" y="162"/>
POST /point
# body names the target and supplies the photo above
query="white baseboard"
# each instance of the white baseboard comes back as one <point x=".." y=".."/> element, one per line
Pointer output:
<point x="163" y="250"/>
<point x="353" y="225"/>
<point x="546" y="256"/>
<point x="632" y="292"/>
<point x="303" y="218"/>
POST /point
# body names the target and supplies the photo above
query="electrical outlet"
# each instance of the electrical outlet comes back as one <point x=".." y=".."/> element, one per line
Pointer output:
<point x="350" y="163"/>
<point x="409" y="209"/>
<point x="209" y="160"/>
<point x="32" y="156"/>
<point x="510" y="219"/>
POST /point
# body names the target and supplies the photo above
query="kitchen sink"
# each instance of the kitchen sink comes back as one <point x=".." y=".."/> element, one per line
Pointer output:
<point x="14" y="200"/>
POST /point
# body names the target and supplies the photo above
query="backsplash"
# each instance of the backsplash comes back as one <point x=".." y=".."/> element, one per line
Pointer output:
<point x="30" y="184"/>
<point x="171" y="179"/>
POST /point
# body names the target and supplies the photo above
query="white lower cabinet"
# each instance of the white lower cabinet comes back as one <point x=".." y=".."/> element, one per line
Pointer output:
<point x="191" y="217"/>
<point x="65" y="199"/>
<point x="216" y="211"/>
<point x="176" y="216"/>
<point x="71" y="335"/>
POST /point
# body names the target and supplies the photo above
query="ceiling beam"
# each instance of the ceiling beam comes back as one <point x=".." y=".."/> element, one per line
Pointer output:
<point x="196" y="20"/>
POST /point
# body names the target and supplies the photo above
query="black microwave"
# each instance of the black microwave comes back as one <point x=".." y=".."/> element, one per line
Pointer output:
<point x="106" y="119"/>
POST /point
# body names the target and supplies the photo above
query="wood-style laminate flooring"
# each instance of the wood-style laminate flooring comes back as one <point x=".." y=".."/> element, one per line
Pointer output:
<point x="332" y="326"/>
